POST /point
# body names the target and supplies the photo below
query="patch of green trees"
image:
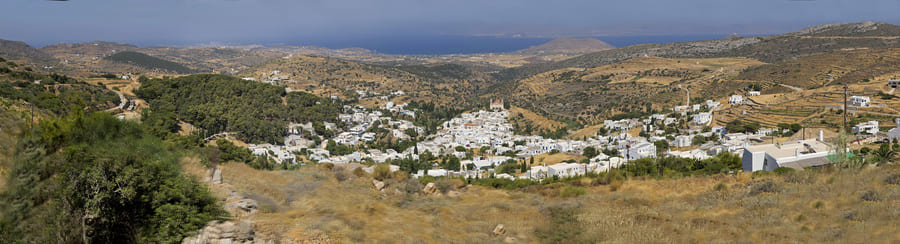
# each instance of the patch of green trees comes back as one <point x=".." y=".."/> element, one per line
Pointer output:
<point x="257" y="112"/>
<point x="93" y="178"/>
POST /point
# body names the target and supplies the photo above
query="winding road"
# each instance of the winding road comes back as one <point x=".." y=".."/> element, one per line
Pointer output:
<point x="122" y="102"/>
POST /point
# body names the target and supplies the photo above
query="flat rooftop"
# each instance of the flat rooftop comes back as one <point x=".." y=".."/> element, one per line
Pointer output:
<point x="789" y="149"/>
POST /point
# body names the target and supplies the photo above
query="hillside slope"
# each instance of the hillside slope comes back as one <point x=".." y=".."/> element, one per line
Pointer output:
<point x="638" y="84"/>
<point x="147" y="62"/>
<point x="445" y="84"/>
<point x="23" y="53"/>
<point x="814" y="40"/>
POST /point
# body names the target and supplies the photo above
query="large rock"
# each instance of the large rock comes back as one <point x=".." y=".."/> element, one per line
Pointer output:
<point x="225" y="233"/>
<point x="378" y="185"/>
<point x="245" y="230"/>
<point x="499" y="230"/>
<point x="215" y="175"/>
<point x="239" y="206"/>
<point x="430" y="188"/>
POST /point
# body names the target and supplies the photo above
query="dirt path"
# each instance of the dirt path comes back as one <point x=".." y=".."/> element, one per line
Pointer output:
<point x="122" y="102"/>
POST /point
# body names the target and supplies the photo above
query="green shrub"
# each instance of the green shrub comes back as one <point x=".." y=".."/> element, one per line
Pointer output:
<point x="784" y="170"/>
<point x="572" y="191"/>
<point x="95" y="178"/>
<point x="720" y="187"/>
<point x="382" y="172"/>
<point x="818" y="204"/>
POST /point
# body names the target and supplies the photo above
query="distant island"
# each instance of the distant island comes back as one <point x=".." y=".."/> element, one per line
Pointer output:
<point x="570" y="45"/>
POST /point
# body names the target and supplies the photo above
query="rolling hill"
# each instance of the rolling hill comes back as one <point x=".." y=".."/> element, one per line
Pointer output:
<point x="642" y="84"/>
<point x="22" y="52"/>
<point x="446" y="84"/>
<point x="147" y="62"/>
<point x="814" y="40"/>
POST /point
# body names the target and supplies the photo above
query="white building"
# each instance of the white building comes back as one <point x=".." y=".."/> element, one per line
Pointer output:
<point x="752" y="93"/>
<point x="894" y="133"/>
<point x="712" y="104"/>
<point x="565" y="170"/>
<point x="894" y="83"/>
<point x="735" y="99"/>
<point x="800" y="154"/>
<point x="870" y="127"/>
<point x="693" y="154"/>
<point x="640" y="150"/>
<point x="860" y="101"/>
<point x="702" y="118"/>
<point x="683" y="140"/>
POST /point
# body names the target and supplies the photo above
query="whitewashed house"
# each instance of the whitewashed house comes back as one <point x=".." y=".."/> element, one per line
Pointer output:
<point x="894" y="133"/>
<point x="702" y="118"/>
<point x="683" y="140"/>
<point x="736" y="99"/>
<point x="798" y="155"/>
<point x="640" y="150"/>
<point x="859" y="101"/>
<point x="870" y="127"/>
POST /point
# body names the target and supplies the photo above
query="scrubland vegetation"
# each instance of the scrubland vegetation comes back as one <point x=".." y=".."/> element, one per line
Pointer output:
<point x="826" y="205"/>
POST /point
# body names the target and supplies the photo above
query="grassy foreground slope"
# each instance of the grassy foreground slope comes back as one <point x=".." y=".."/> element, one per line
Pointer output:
<point x="813" y="206"/>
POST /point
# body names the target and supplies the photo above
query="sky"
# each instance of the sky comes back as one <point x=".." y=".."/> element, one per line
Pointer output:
<point x="160" y="22"/>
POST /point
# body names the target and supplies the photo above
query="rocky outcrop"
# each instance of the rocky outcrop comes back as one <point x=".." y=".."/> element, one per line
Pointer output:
<point x="240" y="207"/>
<point x="238" y="230"/>
<point x="221" y="232"/>
<point x="215" y="175"/>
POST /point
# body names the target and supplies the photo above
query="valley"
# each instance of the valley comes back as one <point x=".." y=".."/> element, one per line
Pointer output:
<point x="575" y="140"/>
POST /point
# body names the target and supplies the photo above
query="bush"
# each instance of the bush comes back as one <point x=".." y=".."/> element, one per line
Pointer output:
<point x="572" y="191"/>
<point x="893" y="179"/>
<point x="768" y="186"/>
<point x="818" y="204"/>
<point x="445" y="185"/>
<point x="381" y="172"/>
<point x="870" y="196"/>
<point x="340" y="173"/>
<point x="359" y="172"/>
<point x="720" y="187"/>
<point x="784" y="170"/>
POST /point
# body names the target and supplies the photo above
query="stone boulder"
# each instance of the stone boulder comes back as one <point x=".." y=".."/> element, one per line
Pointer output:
<point x="217" y="232"/>
<point x="215" y="175"/>
<point x="379" y="185"/>
<point x="240" y="206"/>
<point x="430" y="189"/>
<point x="499" y="230"/>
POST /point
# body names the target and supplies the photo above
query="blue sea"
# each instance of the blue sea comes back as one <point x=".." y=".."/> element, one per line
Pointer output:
<point x="438" y="45"/>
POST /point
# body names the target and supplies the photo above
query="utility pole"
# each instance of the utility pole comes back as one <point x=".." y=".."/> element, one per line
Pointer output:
<point x="845" y="108"/>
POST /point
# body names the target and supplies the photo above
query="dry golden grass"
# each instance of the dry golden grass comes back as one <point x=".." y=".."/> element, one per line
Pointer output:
<point x="809" y="207"/>
<point x="537" y="120"/>
<point x="587" y="131"/>
<point x="554" y="159"/>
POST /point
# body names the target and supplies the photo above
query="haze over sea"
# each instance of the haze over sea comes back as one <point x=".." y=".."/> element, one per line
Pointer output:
<point x="437" y="45"/>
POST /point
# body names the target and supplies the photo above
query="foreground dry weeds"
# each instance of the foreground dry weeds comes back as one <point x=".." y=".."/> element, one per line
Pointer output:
<point x="804" y="207"/>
